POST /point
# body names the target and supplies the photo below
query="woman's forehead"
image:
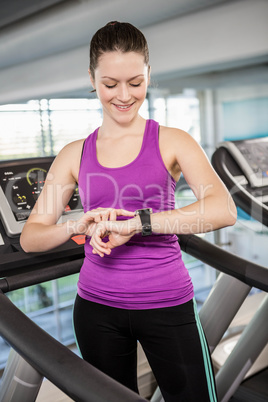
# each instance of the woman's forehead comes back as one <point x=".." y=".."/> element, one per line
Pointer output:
<point x="116" y="59"/>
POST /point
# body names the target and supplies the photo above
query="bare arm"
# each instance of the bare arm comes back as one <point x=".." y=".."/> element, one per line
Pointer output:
<point x="41" y="231"/>
<point x="213" y="209"/>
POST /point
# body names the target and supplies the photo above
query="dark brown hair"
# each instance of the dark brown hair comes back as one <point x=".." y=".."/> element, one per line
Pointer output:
<point x="116" y="36"/>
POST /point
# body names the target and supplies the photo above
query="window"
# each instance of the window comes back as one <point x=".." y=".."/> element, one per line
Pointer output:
<point x="42" y="128"/>
<point x="183" y="113"/>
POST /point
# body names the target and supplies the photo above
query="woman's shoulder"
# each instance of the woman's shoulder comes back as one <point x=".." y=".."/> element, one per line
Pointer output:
<point x="74" y="145"/>
<point x="72" y="149"/>
<point x="68" y="159"/>
<point x="172" y="135"/>
<point x="177" y="143"/>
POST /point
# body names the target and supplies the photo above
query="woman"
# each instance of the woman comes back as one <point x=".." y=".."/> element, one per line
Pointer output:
<point x="133" y="284"/>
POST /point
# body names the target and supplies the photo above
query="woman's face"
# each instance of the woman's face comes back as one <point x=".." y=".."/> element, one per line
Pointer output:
<point x="121" y="81"/>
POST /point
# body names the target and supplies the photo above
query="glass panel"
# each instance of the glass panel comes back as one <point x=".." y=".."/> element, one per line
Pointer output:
<point x="67" y="288"/>
<point x="183" y="112"/>
<point x="33" y="298"/>
<point x="68" y="126"/>
<point x="247" y="118"/>
<point x="160" y="112"/>
<point x="20" y="135"/>
<point x="40" y="128"/>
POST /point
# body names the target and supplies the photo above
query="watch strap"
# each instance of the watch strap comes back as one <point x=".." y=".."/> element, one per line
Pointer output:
<point x="145" y="217"/>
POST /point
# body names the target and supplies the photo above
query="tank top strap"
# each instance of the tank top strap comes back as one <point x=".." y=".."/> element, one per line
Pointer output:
<point x="151" y="139"/>
<point x="89" y="146"/>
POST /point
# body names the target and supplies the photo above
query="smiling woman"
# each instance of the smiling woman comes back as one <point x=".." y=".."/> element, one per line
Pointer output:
<point x="121" y="81"/>
<point x="133" y="284"/>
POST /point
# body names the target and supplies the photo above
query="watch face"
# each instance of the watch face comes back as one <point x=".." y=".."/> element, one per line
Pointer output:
<point x="145" y="210"/>
<point x="149" y="210"/>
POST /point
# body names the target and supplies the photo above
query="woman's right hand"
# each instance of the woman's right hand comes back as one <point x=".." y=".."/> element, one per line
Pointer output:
<point x="86" y="225"/>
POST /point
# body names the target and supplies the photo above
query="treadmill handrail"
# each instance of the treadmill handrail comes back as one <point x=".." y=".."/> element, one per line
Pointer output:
<point x="252" y="274"/>
<point x="39" y="275"/>
<point x="74" y="376"/>
<point x="246" y="271"/>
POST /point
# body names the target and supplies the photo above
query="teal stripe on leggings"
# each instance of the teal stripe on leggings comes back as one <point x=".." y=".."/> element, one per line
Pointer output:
<point x="206" y="356"/>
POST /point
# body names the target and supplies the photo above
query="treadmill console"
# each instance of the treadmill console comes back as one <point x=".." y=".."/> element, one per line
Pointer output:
<point x="243" y="167"/>
<point x="21" y="182"/>
<point x="252" y="157"/>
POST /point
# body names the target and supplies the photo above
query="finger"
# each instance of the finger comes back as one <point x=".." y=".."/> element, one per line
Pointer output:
<point x="97" y="242"/>
<point x="105" y="216"/>
<point x="89" y="215"/>
<point x="124" y="212"/>
<point x="99" y="253"/>
<point x="91" y="229"/>
<point x="102" y="215"/>
<point x="95" y="214"/>
<point x="100" y="249"/>
<point x="113" y="215"/>
<point x="110" y="245"/>
<point x="97" y="218"/>
<point x="82" y="224"/>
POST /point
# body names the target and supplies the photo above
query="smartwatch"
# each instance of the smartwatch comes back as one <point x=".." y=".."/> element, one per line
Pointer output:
<point x="145" y="218"/>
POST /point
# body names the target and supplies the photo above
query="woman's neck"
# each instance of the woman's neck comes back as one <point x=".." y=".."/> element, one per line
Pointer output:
<point x="111" y="128"/>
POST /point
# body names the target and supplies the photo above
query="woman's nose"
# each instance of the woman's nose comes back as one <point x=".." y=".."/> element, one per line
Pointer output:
<point x="123" y="93"/>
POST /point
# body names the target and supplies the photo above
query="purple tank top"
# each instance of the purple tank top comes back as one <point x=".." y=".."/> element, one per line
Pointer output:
<point x="146" y="272"/>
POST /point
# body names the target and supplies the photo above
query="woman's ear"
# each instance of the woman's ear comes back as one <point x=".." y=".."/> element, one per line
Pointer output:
<point x="91" y="80"/>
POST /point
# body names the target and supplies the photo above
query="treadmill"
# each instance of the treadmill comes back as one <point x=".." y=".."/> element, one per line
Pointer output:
<point x="21" y="182"/>
<point x="243" y="167"/>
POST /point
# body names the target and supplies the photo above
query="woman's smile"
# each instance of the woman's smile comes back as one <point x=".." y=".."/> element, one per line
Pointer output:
<point x="123" y="108"/>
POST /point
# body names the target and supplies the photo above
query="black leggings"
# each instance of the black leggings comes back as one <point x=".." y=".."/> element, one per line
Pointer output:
<point x="172" y="339"/>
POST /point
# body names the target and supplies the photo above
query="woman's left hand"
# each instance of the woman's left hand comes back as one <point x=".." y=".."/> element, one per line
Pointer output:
<point x="118" y="232"/>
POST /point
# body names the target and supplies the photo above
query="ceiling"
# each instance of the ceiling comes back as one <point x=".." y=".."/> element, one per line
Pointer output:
<point x="43" y="25"/>
<point x="13" y="11"/>
<point x="32" y="31"/>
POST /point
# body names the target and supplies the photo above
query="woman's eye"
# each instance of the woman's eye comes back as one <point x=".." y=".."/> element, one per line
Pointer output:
<point x="114" y="85"/>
